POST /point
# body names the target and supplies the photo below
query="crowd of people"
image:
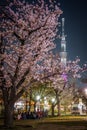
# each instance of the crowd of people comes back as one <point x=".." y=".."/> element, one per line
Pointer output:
<point x="31" y="115"/>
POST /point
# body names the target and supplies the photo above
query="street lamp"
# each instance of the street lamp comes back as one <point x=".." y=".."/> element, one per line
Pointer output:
<point x="53" y="100"/>
<point x="86" y="91"/>
<point x="46" y="106"/>
<point x="38" y="103"/>
<point x="38" y="97"/>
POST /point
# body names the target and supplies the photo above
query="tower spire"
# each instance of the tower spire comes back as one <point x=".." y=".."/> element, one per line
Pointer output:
<point x="63" y="20"/>
<point x="63" y="53"/>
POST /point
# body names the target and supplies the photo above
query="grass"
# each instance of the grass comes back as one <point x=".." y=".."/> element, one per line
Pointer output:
<point x="50" y="123"/>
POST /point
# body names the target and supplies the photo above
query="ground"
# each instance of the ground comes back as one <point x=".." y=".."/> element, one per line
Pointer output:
<point x="56" y="123"/>
<point x="60" y="127"/>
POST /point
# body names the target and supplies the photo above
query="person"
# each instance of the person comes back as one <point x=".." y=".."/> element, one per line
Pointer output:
<point x="19" y="116"/>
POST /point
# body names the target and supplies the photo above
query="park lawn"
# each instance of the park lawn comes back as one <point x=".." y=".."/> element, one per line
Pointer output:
<point x="50" y="123"/>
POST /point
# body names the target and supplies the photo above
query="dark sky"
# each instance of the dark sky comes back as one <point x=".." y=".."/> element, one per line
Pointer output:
<point x="75" y="14"/>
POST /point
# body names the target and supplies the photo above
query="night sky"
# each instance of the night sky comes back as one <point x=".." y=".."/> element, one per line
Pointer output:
<point x="75" y="14"/>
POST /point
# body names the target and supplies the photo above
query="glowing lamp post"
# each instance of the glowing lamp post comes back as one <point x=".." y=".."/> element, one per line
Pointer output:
<point x="38" y="103"/>
<point x="38" y="97"/>
<point x="53" y="100"/>
<point x="86" y="91"/>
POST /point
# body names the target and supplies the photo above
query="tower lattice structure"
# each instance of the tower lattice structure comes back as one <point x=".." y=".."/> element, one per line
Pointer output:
<point x="63" y="53"/>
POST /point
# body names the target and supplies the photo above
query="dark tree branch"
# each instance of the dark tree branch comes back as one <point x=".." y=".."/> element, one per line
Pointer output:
<point x="22" y="78"/>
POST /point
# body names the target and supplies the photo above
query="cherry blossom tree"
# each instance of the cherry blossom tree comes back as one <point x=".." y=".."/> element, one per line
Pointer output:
<point x="27" y="32"/>
<point x="59" y="75"/>
<point x="72" y="71"/>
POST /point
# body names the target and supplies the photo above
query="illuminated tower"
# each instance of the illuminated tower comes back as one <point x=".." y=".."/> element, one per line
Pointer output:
<point x="63" y="53"/>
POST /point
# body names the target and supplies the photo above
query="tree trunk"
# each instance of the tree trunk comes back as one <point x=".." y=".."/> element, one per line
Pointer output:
<point x="9" y="115"/>
<point x="35" y="106"/>
<point x="86" y="106"/>
<point x="58" y="102"/>
<point x="30" y="102"/>
<point x="52" y="109"/>
<point x="58" y="105"/>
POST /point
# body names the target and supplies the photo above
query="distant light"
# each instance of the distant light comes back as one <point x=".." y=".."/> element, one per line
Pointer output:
<point x="53" y="99"/>
<point x="86" y="91"/>
<point x="44" y="98"/>
<point x="19" y="103"/>
<point x="38" y="97"/>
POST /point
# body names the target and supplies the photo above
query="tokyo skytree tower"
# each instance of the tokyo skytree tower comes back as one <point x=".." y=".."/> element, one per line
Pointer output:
<point x="63" y="53"/>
